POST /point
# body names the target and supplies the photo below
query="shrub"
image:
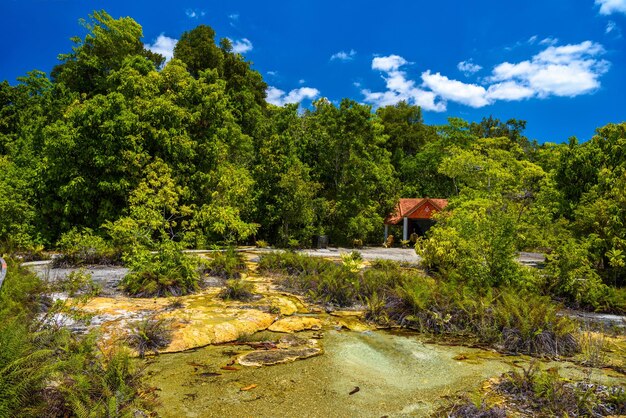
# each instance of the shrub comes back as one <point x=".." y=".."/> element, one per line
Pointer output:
<point x="227" y="264"/>
<point x="465" y="408"/>
<point x="544" y="392"/>
<point x="573" y="277"/>
<point x="337" y="286"/>
<point x="380" y="264"/>
<point x="150" y="334"/>
<point x="292" y="264"/>
<point x="168" y="272"/>
<point x="47" y="371"/>
<point x="517" y="322"/>
<point x="237" y="289"/>
<point x="375" y="308"/>
<point x="352" y="261"/>
<point x="79" y="282"/>
<point x="84" y="247"/>
<point x="97" y="384"/>
<point x="261" y="244"/>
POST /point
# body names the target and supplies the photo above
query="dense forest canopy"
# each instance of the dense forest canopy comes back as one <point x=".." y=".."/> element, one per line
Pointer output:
<point x="120" y="145"/>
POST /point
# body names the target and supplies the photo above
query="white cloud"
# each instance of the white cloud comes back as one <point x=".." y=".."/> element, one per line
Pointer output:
<point x="611" y="27"/>
<point x="343" y="55"/>
<point x="399" y="87"/>
<point x="241" y="46"/>
<point x="468" y="67"/>
<point x="608" y="7"/>
<point x="532" y="39"/>
<point x="301" y="81"/>
<point x="566" y="71"/>
<point x="389" y="63"/>
<point x="508" y="91"/>
<point x="468" y="94"/>
<point x="163" y="45"/>
<point x="272" y="73"/>
<point x="233" y="16"/>
<point x="194" y="13"/>
<point x="549" y="41"/>
<point x="278" y="97"/>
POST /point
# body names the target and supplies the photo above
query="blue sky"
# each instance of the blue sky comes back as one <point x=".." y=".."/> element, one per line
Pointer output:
<point x="560" y="65"/>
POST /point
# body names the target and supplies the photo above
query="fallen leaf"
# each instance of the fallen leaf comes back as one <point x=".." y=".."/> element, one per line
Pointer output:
<point x="355" y="390"/>
<point x="252" y="386"/>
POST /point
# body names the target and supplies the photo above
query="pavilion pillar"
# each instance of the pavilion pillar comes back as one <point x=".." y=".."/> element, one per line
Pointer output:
<point x="405" y="229"/>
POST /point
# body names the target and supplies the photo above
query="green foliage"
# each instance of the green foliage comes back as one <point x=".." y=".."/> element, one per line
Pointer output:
<point x="571" y="275"/>
<point x="191" y="152"/>
<point x="79" y="283"/>
<point x="539" y="391"/>
<point x="25" y="364"/>
<point x="96" y="384"/>
<point x="237" y="289"/>
<point x="168" y="272"/>
<point x="150" y="335"/>
<point x="227" y="264"/>
<point x="103" y="49"/>
<point x="292" y="264"/>
<point x="46" y="371"/>
<point x="17" y="212"/>
<point x="82" y="247"/>
<point x="261" y="244"/>
<point x="524" y="323"/>
<point x="474" y="244"/>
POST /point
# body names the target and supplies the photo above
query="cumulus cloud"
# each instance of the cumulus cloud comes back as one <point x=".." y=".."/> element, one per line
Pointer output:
<point x="389" y="63"/>
<point x="163" y="45"/>
<point x="278" y="97"/>
<point x="468" y="67"/>
<point x="509" y="91"/>
<point x="608" y="7"/>
<point x="399" y="87"/>
<point x="343" y="56"/>
<point x="456" y="91"/>
<point x="566" y="71"/>
<point x="241" y="46"/>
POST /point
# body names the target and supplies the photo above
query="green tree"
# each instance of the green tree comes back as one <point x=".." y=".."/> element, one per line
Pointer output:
<point x="108" y="42"/>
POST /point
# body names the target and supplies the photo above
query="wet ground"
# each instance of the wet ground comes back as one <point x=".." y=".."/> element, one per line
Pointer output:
<point x="350" y="370"/>
<point x="388" y="375"/>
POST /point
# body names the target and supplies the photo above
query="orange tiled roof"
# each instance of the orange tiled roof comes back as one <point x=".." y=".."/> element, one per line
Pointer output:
<point x="406" y="207"/>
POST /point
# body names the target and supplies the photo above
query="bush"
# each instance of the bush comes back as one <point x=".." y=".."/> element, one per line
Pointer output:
<point x="84" y="247"/>
<point x="150" y="334"/>
<point x="261" y="244"/>
<point x="237" y="289"/>
<point x="46" y="371"/>
<point x="573" y="277"/>
<point x="292" y="264"/>
<point x="465" y="408"/>
<point x="516" y="322"/>
<point x="25" y="363"/>
<point x="168" y="272"/>
<point x="544" y="392"/>
<point x="79" y="282"/>
<point x="227" y="264"/>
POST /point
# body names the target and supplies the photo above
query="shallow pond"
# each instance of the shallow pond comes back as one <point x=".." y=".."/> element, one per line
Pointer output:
<point x="397" y="375"/>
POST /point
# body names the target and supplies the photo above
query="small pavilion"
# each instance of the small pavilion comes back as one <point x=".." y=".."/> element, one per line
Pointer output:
<point x="415" y="215"/>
